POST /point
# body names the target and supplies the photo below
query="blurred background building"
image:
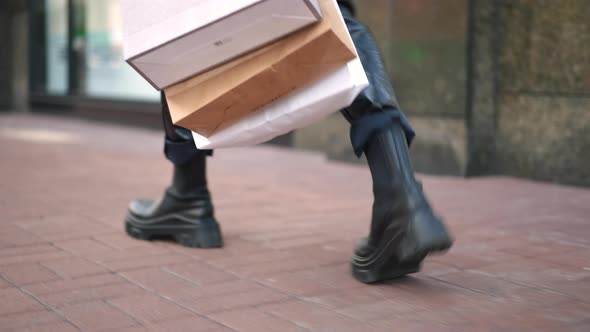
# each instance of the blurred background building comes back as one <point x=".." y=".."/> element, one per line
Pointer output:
<point x="492" y="86"/>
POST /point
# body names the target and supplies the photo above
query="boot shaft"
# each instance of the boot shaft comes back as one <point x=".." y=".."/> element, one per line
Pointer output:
<point x="395" y="190"/>
<point x="189" y="180"/>
<point x="391" y="169"/>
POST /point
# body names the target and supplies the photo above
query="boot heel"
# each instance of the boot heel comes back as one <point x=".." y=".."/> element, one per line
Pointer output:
<point x="205" y="236"/>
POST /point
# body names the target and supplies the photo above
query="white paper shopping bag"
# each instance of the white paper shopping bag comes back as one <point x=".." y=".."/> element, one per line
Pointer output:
<point x="331" y="94"/>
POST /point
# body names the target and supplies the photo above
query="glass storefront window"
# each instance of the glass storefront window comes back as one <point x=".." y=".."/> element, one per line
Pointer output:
<point x="94" y="66"/>
<point x="423" y="43"/>
<point x="107" y="74"/>
<point x="57" y="47"/>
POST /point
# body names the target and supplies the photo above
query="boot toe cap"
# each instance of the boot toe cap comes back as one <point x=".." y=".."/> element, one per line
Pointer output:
<point x="140" y="207"/>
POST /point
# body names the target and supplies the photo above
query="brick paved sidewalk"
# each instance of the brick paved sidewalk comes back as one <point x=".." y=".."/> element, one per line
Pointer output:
<point x="521" y="260"/>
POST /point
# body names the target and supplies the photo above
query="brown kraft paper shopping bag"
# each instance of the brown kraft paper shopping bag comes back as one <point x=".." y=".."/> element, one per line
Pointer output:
<point x="222" y="96"/>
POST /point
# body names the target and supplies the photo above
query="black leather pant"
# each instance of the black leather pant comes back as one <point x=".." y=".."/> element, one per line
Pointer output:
<point x="373" y="110"/>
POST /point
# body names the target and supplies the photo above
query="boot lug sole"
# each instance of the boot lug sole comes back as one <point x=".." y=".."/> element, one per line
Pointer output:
<point x="385" y="264"/>
<point x="393" y="271"/>
<point x="197" y="236"/>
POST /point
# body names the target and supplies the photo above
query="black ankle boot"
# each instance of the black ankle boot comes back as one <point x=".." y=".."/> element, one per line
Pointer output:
<point x="403" y="227"/>
<point x="185" y="213"/>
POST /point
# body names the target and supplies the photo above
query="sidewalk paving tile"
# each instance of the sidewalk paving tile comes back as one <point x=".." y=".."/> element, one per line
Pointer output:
<point x="25" y="274"/>
<point x="96" y="316"/>
<point x="15" y="301"/>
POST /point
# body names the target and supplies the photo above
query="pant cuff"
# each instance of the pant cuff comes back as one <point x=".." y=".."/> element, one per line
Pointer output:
<point x="180" y="153"/>
<point x="365" y="127"/>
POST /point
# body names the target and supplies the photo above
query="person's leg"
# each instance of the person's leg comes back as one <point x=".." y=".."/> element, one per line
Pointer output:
<point x="403" y="227"/>
<point x="185" y="212"/>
